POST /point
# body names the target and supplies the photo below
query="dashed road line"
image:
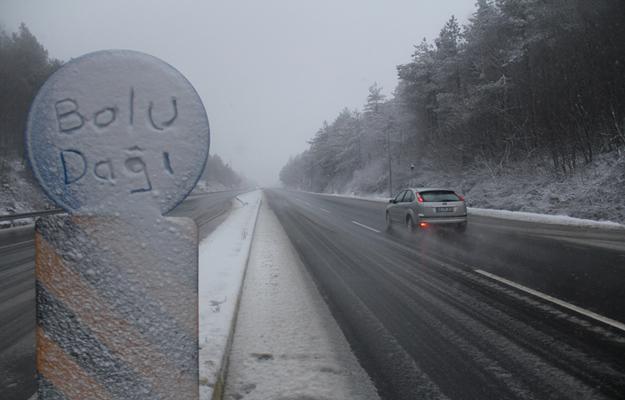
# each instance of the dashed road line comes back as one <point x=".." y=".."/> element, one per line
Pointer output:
<point x="562" y="303"/>
<point x="365" y="226"/>
<point x="324" y="210"/>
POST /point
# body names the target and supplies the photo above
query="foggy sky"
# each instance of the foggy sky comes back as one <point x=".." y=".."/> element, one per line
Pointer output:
<point x="269" y="72"/>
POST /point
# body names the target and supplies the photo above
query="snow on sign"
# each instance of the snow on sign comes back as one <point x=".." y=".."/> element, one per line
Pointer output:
<point x="117" y="138"/>
<point x="115" y="130"/>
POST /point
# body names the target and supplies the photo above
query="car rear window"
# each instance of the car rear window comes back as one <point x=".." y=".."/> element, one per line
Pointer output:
<point x="439" y="195"/>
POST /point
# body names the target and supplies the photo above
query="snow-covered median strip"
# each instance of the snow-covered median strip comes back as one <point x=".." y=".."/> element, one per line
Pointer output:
<point x="287" y="345"/>
<point x="544" y="218"/>
<point x="223" y="258"/>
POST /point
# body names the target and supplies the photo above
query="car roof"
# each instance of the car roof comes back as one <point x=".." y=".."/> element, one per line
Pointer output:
<point x="429" y="189"/>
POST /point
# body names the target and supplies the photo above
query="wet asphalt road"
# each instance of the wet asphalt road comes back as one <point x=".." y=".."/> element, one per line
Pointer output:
<point x="426" y="324"/>
<point x="17" y="291"/>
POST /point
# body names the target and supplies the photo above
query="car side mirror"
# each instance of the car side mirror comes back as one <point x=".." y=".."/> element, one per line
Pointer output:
<point x="392" y="201"/>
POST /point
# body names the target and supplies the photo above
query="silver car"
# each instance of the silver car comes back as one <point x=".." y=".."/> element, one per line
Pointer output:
<point x="421" y="208"/>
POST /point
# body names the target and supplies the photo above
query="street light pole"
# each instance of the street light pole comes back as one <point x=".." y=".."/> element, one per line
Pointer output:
<point x="390" y="164"/>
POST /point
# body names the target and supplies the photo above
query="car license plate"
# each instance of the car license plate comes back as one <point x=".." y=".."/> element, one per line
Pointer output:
<point x="444" y="209"/>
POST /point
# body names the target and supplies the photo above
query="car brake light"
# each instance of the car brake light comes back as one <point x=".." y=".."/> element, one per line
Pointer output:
<point x="419" y="198"/>
<point x="423" y="224"/>
<point x="460" y="197"/>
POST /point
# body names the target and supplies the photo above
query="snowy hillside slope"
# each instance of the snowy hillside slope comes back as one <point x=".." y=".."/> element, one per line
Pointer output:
<point x="595" y="191"/>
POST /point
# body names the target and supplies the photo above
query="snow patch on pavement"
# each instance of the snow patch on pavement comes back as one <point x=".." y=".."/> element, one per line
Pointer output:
<point x="222" y="261"/>
<point x="287" y="345"/>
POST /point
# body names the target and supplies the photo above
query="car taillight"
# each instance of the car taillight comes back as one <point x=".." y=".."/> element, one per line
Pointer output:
<point x="419" y="198"/>
<point x="460" y="197"/>
<point x="423" y="224"/>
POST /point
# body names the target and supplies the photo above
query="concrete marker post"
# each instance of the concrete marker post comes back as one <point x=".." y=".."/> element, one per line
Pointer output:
<point x="117" y="138"/>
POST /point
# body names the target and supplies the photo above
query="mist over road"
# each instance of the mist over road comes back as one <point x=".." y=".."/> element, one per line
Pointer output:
<point x="17" y="291"/>
<point x="436" y="315"/>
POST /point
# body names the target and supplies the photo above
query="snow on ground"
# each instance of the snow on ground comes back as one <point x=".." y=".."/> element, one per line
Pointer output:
<point x="593" y="191"/>
<point x="544" y="218"/>
<point x="222" y="260"/>
<point x="18" y="192"/>
<point x="287" y="345"/>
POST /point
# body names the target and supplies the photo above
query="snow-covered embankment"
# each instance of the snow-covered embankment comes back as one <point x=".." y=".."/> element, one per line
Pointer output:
<point x="223" y="259"/>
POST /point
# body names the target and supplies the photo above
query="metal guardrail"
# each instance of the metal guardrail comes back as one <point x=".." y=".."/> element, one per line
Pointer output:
<point x="34" y="214"/>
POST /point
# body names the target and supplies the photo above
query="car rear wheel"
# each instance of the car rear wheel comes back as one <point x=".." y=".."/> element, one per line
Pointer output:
<point x="410" y="226"/>
<point x="389" y="223"/>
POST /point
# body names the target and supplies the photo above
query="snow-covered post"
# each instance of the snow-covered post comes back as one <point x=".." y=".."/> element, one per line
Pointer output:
<point x="117" y="138"/>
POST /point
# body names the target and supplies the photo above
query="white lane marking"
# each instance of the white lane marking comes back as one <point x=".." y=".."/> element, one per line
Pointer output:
<point x="324" y="210"/>
<point x="365" y="226"/>
<point x="583" y="311"/>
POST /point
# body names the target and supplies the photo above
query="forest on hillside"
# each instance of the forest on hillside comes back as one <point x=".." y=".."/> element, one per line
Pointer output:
<point x="522" y="80"/>
<point x="24" y="67"/>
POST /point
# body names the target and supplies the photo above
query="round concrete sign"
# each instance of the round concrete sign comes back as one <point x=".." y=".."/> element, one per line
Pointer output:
<point x="115" y="132"/>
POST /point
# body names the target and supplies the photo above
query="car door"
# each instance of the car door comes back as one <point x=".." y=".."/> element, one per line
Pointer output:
<point x="395" y="209"/>
<point x="407" y="203"/>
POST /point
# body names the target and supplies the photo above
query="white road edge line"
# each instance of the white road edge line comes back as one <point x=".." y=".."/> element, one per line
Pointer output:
<point x="583" y="311"/>
<point x="365" y="226"/>
<point x="324" y="210"/>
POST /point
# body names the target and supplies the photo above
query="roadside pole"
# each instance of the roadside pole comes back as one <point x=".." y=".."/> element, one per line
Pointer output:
<point x="117" y="139"/>
<point x="390" y="162"/>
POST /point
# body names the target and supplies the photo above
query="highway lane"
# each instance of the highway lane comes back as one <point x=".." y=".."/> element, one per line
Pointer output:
<point x="207" y="210"/>
<point x="425" y="324"/>
<point x="17" y="312"/>
<point x="17" y="291"/>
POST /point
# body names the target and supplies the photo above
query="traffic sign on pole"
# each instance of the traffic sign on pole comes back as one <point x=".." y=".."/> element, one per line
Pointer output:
<point x="117" y="138"/>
